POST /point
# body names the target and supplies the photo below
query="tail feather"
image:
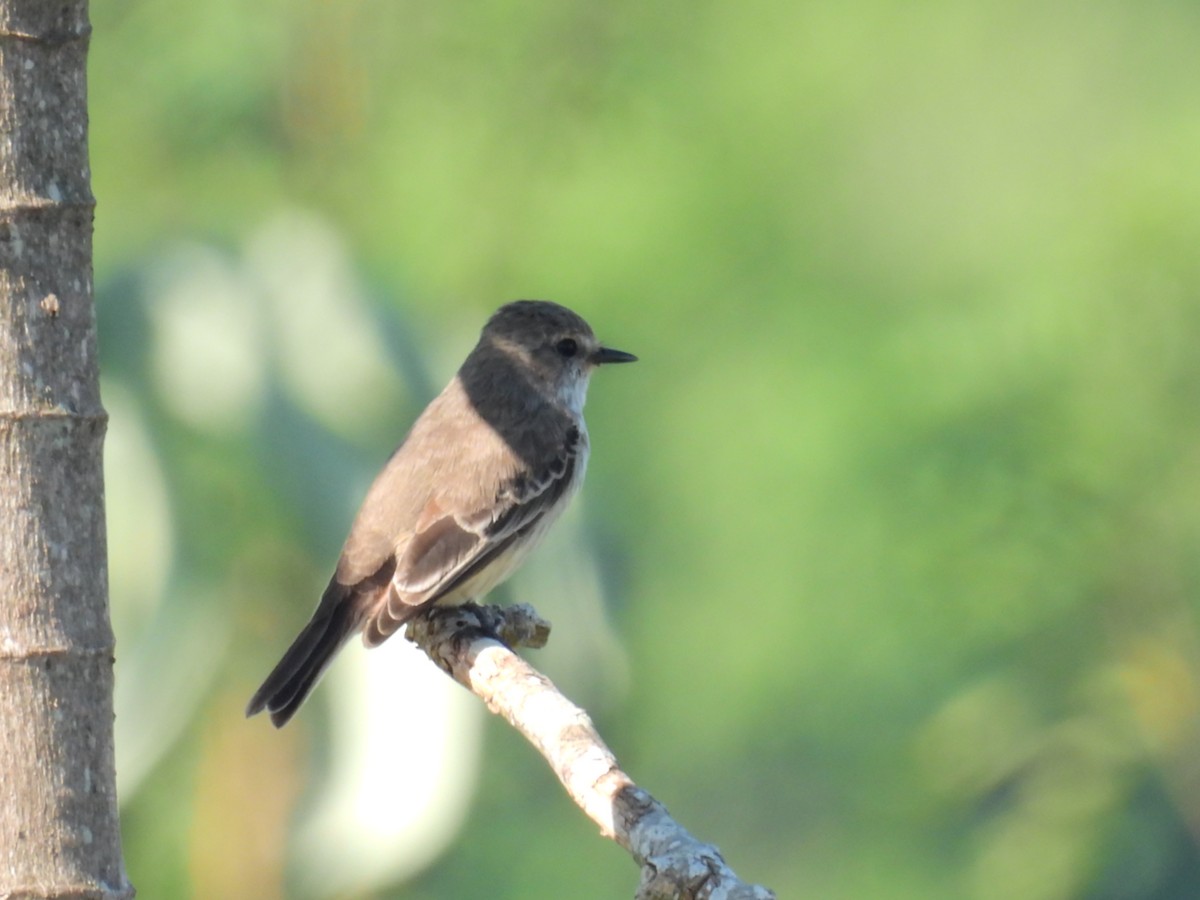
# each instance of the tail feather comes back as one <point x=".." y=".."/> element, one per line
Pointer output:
<point x="305" y="661"/>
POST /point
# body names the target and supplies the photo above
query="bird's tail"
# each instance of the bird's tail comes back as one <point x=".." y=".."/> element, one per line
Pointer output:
<point x="307" y="659"/>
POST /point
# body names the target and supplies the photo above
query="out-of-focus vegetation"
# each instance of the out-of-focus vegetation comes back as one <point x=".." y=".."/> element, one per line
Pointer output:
<point x="885" y="579"/>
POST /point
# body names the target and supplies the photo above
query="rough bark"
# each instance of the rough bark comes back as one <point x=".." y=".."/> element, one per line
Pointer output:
<point x="59" y="835"/>
<point x="472" y="644"/>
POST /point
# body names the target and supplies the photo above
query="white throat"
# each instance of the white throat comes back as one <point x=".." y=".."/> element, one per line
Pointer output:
<point x="573" y="392"/>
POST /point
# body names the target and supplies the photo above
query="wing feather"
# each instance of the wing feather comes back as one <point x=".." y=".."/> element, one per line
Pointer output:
<point x="451" y="549"/>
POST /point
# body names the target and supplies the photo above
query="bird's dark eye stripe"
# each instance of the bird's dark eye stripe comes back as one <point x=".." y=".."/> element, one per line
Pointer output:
<point x="567" y="347"/>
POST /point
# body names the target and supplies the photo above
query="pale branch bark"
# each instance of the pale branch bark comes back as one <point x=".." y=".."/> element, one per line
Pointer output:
<point x="59" y="835"/>
<point x="473" y="645"/>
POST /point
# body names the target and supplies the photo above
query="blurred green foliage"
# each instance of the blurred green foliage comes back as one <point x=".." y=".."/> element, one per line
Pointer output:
<point x="896" y="519"/>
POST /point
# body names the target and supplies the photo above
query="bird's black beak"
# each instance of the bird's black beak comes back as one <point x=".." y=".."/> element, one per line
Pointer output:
<point x="605" y="355"/>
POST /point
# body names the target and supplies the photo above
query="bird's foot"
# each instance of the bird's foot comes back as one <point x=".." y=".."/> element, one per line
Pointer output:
<point x="514" y="626"/>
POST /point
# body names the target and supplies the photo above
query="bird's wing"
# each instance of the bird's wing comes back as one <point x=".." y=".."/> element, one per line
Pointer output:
<point x="446" y="549"/>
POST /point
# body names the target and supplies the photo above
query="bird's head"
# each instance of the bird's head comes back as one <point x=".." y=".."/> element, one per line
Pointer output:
<point x="554" y="346"/>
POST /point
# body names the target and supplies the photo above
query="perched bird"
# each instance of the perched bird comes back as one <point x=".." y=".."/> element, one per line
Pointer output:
<point x="483" y="473"/>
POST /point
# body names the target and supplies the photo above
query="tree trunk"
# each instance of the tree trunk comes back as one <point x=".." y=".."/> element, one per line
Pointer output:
<point x="59" y="834"/>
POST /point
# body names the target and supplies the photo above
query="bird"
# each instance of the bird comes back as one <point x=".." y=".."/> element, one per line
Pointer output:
<point x="483" y="473"/>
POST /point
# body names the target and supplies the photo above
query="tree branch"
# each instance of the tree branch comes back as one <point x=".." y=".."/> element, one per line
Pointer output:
<point x="473" y="645"/>
<point x="59" y="830"/>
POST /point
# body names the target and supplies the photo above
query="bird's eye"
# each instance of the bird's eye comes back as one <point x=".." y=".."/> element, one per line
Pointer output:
<point x="567" y="348"/>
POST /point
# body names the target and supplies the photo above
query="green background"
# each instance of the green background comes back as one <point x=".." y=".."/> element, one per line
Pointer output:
<point x="895" y="522"/>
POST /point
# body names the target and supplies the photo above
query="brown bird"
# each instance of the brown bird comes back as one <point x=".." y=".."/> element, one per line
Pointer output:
<point x="483" y="473"/>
